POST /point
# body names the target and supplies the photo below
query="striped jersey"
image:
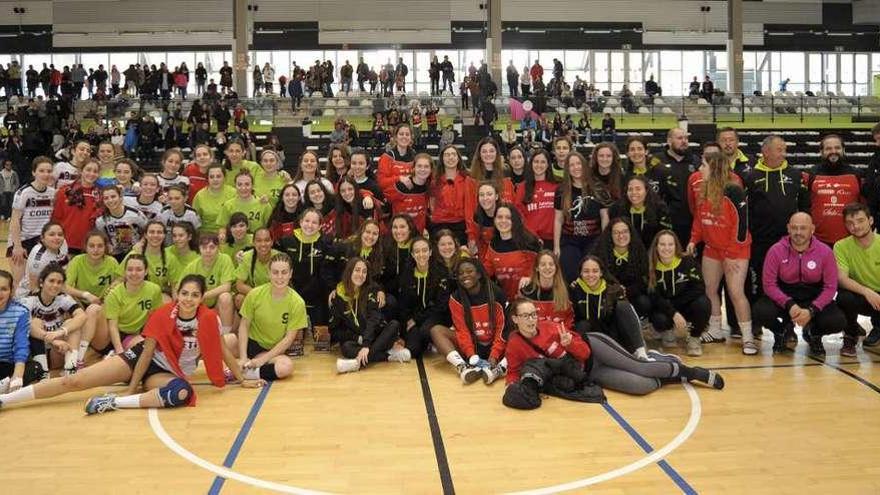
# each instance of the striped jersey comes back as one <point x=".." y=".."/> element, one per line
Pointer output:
<point x="38" y="259"/>
<point x="53" y="314"/>
<point x="36" y="209"/>
<point x="64" y="173"/>
<point x="149" y="210"/>
<point x="15" y="326"/>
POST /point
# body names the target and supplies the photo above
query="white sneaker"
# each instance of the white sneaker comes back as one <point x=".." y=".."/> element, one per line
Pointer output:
<point x="694" y="346"/>
<point x="401" y="356"/>
<point x="493" y="373"/>
<point x="668" y="338"/>
<point x="347" y="365"/>
<point x="468" y="374"/>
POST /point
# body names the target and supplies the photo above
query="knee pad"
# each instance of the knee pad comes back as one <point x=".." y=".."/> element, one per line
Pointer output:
<point x="170" y="393"/>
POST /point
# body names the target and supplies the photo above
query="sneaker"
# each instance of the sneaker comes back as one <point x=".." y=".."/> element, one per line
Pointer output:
<point x="816" y="347"/>
<point x="668" y="339"/>
<point x="873" y="338"/>
<point x="347" y="365"/>
<point x="401" y="356"/>
<point x="788" y="334"/>
<point x="694" y="346"/>
<point x="101" y="404"/>
<point x="321" y="337"/>
<point x="750" y="348"/>
<point x="663" y="357"/>
<point x="849" y="347"/>
<point x="780" y="346"/>
<point x="295" y="349"/>
<point x="70" y="371"/>
<point x="468" y="374"/>
<point x="493" y="373"/>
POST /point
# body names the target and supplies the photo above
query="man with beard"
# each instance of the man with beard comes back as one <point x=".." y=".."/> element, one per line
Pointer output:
<point x="858" y="266"/>
<point x="833" y="184"/>
<point x="800" y="279"/>
<point x="677" y="163"/>
<point x="740" y="162"/>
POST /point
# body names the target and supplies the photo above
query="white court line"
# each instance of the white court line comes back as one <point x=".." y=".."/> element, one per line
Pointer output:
<point x="653" y="457"/>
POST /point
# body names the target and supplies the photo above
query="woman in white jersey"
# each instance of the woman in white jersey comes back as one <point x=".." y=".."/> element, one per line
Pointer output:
<point x="124" y="226"/>
<point x="178" y="334"/>
<point x="177" y="211"/>
<point x="170" y="174"/>
<point x="31" y="209"/>
<point x="67" y="172"/>
<point x="147" y="200"/>
<point x="52" y="248"/>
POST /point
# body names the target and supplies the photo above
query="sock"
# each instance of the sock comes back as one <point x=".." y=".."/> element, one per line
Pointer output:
<point x="43" y="362"/>
<point x="640" y="353"/>
<point x="455" y="359"/>
<point x="224" y="329"/>
<point x="746" y="329"/>
<point x="250" y="373"/>
<point x="704" y="375"/>
<point x="502" y="365"/>
<point x="267" y="372"/>
<point x="24" y="394"/>
<point x="715" y="325"/>
<point x="128" y="402"/>
<point x="81" y="352"/>
<point x="70" y="360"/>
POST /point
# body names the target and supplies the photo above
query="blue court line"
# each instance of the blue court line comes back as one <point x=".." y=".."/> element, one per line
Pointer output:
<point x="239" y="440"/>
<point x="669" y="470"/>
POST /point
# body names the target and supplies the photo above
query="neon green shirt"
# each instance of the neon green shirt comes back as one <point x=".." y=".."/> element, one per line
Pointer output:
<point x="232" y="249"/>
<point x="221" y="272"/>
<point x="131" y="310"/>
<point x="270" y="187"/>
<point x="161" y="272"/>
<point x="260" y="273"/>
<point x="208" y="205"/>
<point x="182" y="259"/>
<point x="252" y="167"/>
<point x="96" y="279"/>
<point x="255" y="210"/>
<point x="861" y="265"/>
<point x="272" y="318"/>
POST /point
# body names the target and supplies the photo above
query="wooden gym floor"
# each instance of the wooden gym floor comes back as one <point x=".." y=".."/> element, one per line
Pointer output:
<point x="788" y="424"/>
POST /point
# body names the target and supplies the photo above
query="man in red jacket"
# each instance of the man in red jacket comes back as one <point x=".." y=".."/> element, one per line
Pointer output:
<point x="833" y="184"/>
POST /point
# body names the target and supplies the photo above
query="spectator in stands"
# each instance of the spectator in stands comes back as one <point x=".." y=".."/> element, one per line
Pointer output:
<point x="201" y="78"/>
<point x="652" y="88"/>
<point x="345" y="77"/>
<point x="268" y="77"/>
<point x="78" y="75"/>
<point x="434" y="76"/>
<point x="327" y="78"/>
<point x="557" y="69"/>
<point x="54" y="79"/>
<point x="512" y="79"/>
<point x="363" y="73"/>
<point x="832" y="184"/>
<point x="340" y="133"/>
<point x="708" y="89"/>
<point x="257" y="77"/>
<point x="858" y="275"/>
<point x="9" y="183"/>
<point x="225" y="77"/>
<point x="448" y="73"/>
<point x="32" y="79"/>
<point x="525" y="82"/>
<point x="584" y="128"/>
<point x="800" y="279"/>
<point x="609" y="128"/>
<point x="537" y="73"/>
<point x="694" y="88"/>
<point x="676" y="164"/>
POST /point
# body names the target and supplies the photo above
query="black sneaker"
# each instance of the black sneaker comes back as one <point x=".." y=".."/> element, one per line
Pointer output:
<point x="816" y="347"/>
<point x="788" y="334"/>
<point x="779" y="344"/>
<point x="873" y="338"/>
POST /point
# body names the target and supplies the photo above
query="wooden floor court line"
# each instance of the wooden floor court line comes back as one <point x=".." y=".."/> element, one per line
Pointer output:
<point x="436" y="434"/>
<point x="676" y="478"/>
<point x="229" y="461"/>
<point x="848" y="373"/>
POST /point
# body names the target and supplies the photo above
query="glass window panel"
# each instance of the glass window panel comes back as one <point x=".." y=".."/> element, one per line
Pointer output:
<point x="473" y="57"/>
<point x="616" y="71"/>
<point x="260" y="57"/>
<point x="59" y="59"/>
<point x="830" y="67"/>
<point x="861" y="67"/>
<point x="692" y="63"/>
<point x="636" y="77"/>
<point x="306" y="58"/>
<point x="576" y="60"/>
<point x="846" y="68"/>
<point x="423" y="63"/>
<point x="93" y="60"/>
<point x="153" y="58"/>
<point x="600" y="60"/>
<point x="670" y="60"/>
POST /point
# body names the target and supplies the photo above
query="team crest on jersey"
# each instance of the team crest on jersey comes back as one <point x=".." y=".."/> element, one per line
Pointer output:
<point x="811" y="265"/>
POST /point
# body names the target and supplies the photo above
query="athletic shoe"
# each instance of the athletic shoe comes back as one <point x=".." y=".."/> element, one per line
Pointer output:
<point x="663" y="357"/>
<point x="750" y="348"/>
<point x="295" y="349"/>
<point x="401" y="356"/>
<point x="668" y="339"/>
<point x="347" y="365"/>
<point x="493" y="373"/>
<point x="779" y="344"/>
<point x="468" y="374"/>
<point x="709" y="377"/>
<point x="694" y="346"/>
<point x="873" y="338"/>
<point x="101" y="404"/>
<point x="788" y="334"/>
<point x="849" y="347"/>
<point x="816" y="347"/>
<point x="321" y="337"/>
<point x="4" y="385"/>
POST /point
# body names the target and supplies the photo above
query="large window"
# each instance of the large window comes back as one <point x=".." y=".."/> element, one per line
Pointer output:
<point x="670" y="73"/>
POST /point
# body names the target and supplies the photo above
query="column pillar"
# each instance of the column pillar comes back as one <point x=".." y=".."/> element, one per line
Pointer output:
<point x="735" y="46"/>
<point x="241" y="23"/>
<point x="493" y="42"/>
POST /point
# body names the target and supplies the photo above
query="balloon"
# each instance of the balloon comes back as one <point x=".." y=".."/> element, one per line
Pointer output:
<point x="527" y="105"/>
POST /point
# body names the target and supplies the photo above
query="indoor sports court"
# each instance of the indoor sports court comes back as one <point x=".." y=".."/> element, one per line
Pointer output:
<point x="335" y="79"/>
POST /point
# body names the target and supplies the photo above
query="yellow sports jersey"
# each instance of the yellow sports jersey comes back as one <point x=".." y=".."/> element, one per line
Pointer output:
<point x="253" y="272"/>
<point x="130" y="310"/>
<point x="162" y="271"/>
<point x="271" y="318"/>
<point x="270" y="187"/>
<point x="256" y="211"/>
<point x="232" y="249"/>
<point x="96" y="279"/>
<point x="221" y="272"/>
<point x="208" y="205"/>
<point x="252" y="167"/>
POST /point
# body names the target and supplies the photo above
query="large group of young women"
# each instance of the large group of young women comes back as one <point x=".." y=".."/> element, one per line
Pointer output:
<point x="123" y="276"/>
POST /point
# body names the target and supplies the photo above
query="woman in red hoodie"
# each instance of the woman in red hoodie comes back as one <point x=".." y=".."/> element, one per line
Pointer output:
<point x="397" y="163"/>
<point x="600" y="360"/>
<point x="77" y="205"/>
<point x="488" y="164"/>
<point x="178" y="335"/>
<point x="535" y="197"/>
<point x="512" y="251"/>
<point x="413" y="201"/>
<point x="453" y="196"/>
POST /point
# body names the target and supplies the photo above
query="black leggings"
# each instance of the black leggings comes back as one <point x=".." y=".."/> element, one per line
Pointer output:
<point x="418" y="338"/>
<point x="616" y="369"/>
<point x="379" y="350"/>
<point x="853" y="305"/>
<point x="695" y="312"/>
<point x="642" y="304"/>
<point x="830" y="320"/>
<point x="625" y="330"/>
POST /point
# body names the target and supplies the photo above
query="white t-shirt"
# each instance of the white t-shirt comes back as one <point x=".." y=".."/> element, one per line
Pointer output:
<point x="189" y="356"/>
<point x="36" y="209"/>
<point x="64" y="173"/>
<point x="53" y="314"/>
<point x="150" y="210"/>
<point x="168" y="218"/>
<point x="180" y="180"/>
<point x="38" y="259"/>
<point x="124" y="231"/>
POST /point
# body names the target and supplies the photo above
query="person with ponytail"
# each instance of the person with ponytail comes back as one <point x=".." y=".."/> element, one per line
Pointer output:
<point x="77" y="205"/>
<point x="358" y="170"/>
<point x="351" y="208"/>
<point x="52" y="249"/>
<point x="561" y="146"/>
<point x="535" y="197"/>
<point x="516" y="159"/>
<point x="606" y="173"/>
<point x="256" y="210"/>
<point x="396" y="164"/>
<point x="128" y="305"/>
<point x="626" y="259"/>
<point x="481" y="228"/>
<point x="163" y="268"/>
<point x="643" y="209"/>
<point x="235" y="237"/>
<point x="197" y="170"/>
<point x="285" y="216"/>
<point x="452" y="197"/>
<point x="413" y="201"/>
<point x="170" y="175"/>
<point x="338" y="160"/>
<point x="126" y="172"/>
<point x="600" y="305"/>
<point x="123" y="225"/>
<point x="638" y="161"/>
<point x="177" y="211"/>
<point x="547" y="290"/>
<point x="106" y="163"/>
<point x="357" y="323"/>
<point x="547" y="357"/>
<point x="320" y="198"/>
<point x="32" y="208"/>
<point x="66" y="173"/>
<point x="219" y="272"/>
<point x="678" y="294"/>
<point x="511" y="253"/>
<point x="184" y="246"/>
<point x="272" y="315"/>
<point x="476" y="347"/>
<point x="209" y="201"/>
<point x="397" y="252"/>
<point x="178" y="336"/>
<point x="270" y="177"/>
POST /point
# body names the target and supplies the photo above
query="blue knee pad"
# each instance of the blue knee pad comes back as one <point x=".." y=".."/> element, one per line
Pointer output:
<point x="170" y="393"/>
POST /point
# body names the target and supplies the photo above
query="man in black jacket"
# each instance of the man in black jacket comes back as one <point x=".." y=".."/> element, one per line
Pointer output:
<point x="45" y="79"/>
<point x="363" y="73"/>
<point x="448" y="73"/>
<point x="677" y="163"/>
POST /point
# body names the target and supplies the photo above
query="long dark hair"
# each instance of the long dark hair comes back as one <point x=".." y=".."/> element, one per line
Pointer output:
<point x="280" y="213"/>
<point x="193" y="237"/>
<point x="364" y="292"/>
<point x="529" y="174"/>
<point x="523" y="239"/>
<point x="227" y="164"/>
<point x="465" y="298"/>
<point x="440" y="167"/>
<point x="614" y="176"/>
<point x="329" y="198"/>
<point x="161" y="248"/>
<point x="235" y="219"/>
<point x="340" y="205"/>
<point x="356" y="245"/>
<point x="637" y="254"/>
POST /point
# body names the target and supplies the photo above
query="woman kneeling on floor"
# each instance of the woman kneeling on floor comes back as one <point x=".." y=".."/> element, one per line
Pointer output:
<point x="178" y="335"/>
<point x="547" y="357"/>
